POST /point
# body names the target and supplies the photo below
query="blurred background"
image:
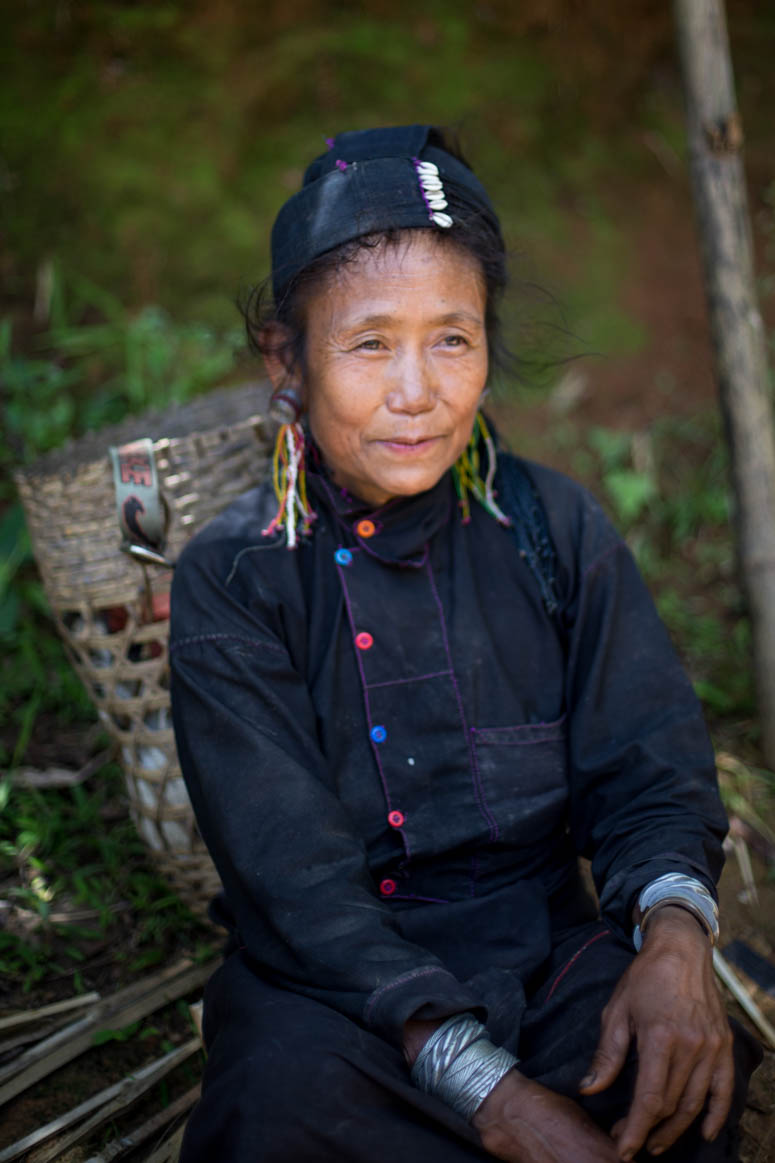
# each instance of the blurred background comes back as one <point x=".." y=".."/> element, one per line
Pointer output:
<point x="145" y="148"/>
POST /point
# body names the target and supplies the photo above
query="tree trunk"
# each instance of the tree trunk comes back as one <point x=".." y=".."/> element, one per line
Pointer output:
<point x="715" y="140"/>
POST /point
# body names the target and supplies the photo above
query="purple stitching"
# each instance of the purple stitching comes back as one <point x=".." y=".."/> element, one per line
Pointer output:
<point x="606" y="553"/>
<point x="330" y="142"/>
<point x="232" y="637"/>
<point x="410" y="563"/>
<point x="340" y="165"/>
<point x="525" y="726"/>
<point x="369" y="720"/>
<point x="417" y="678"/>
<point x="485" y="811"/>
<point x="409" y="976"/>
<point x="522" y="742"/>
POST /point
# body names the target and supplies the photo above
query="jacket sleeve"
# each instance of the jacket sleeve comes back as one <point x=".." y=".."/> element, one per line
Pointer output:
<point x="294" y="872"/>
<point x="644" y="795"/>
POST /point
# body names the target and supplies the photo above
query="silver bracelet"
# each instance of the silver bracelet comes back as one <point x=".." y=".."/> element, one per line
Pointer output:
<point x="460" y="1065"/>
<point x="675" y="888"/>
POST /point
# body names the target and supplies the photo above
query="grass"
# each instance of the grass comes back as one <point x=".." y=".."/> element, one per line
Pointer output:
<point x="76" y="852"/>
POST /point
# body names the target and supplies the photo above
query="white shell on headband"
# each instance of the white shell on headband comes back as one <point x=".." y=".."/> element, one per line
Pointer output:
<point x="432" y="190"/>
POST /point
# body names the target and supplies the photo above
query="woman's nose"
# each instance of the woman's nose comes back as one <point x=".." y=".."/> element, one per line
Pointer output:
<point x="413" y="388"/>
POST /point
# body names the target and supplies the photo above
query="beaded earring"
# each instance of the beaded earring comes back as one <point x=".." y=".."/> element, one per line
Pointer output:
<point x="466" y="472"/>
<point x="294" y="513"/>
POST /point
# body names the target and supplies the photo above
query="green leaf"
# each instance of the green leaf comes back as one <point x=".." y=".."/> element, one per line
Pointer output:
<point x="100" y="1037"/>
<point x="630" y="492"/>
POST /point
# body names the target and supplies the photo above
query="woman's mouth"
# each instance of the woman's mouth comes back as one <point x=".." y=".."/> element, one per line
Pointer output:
<point x="409" y="446"/>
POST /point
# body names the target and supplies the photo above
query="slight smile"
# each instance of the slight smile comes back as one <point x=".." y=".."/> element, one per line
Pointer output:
<point x="409" y="446"/>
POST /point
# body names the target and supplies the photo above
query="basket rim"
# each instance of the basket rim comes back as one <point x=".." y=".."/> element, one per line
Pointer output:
<point x="241" y="404"/>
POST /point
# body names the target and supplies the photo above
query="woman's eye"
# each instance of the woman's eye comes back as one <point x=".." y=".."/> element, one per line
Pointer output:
<point x="370" y="345"/>
<point x="455" y="341"/>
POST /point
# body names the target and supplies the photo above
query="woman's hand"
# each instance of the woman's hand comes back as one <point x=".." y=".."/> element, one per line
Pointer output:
<point x="523" y="1122"/>
<point x="668" y="1001"/>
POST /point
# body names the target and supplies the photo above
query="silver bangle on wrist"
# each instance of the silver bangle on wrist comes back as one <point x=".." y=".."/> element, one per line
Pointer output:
<point x="675" y="888"/>
<point x="460" y="1065"/>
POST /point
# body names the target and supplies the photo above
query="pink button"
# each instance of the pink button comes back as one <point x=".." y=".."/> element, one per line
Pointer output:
<point x="396" y="819"/>
<point x="364" y="640"/>
<point x="387" y="887"/>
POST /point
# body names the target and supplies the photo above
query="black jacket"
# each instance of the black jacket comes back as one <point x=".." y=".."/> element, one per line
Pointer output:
<point x="395" y="754"/>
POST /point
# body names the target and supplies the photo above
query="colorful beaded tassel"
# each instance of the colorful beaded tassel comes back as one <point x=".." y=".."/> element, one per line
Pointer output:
<point x="290" y="485"/>
<point x="467" y="474"/>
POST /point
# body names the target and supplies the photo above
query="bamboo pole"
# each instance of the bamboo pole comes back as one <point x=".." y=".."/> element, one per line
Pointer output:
<point x="715" y="140"/>
<point x="744" y="1000"/>
<point x="95" y="1111"/>
<point x="131" y="1004"/>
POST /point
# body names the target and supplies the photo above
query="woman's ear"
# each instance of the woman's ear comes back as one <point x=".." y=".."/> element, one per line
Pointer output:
<point x="275" y="345"/>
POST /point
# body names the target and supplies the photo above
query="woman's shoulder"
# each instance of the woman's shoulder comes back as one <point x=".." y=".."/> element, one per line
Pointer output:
<point x="237" y="529"/>
<point x="576" y="522"/>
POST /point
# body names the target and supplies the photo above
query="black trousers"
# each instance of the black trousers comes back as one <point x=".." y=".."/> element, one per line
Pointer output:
<point x="289" y="1080"/>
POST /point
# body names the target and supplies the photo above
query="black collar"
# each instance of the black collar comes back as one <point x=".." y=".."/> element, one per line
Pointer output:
<point x="396" y="532"/>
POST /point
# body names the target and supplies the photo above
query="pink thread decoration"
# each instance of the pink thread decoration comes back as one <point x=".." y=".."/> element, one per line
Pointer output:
<point x="330" y="142"/>
<point x="340" y="165"/>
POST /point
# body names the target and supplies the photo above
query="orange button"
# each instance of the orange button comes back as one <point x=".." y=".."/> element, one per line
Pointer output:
<point x="365" y="528"/>
<point x="364" y="640"/>
<point x="387" y="887"/>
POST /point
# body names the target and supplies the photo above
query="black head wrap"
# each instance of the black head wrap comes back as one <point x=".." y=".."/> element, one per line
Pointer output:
<point x="371" y="181"/>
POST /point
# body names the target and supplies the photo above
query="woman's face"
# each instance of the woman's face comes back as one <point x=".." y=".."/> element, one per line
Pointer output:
<point x="396" y="363"/>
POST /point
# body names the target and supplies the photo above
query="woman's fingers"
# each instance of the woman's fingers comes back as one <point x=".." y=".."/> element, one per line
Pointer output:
<point x="676" y="1078"/>
<point x="711" y="1083"/>
<point x="611" y="1053"/>
<point x="650" y="1102"/>
<point x="721" y="1089"/>
<point x="690" y="1104"/>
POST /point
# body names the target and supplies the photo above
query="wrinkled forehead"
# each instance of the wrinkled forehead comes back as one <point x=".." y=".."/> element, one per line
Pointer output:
<point x="412" y="278"/>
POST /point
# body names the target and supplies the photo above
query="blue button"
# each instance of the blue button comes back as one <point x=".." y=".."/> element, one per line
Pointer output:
<point x="378" y="734"/>
<point x="343" y="557"/>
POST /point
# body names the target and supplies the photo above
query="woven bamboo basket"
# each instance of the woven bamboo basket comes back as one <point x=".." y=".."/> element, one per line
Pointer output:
<point x="112" y="611"/>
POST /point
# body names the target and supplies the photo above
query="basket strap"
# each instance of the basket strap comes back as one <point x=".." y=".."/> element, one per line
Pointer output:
<point x="139" y="504"/>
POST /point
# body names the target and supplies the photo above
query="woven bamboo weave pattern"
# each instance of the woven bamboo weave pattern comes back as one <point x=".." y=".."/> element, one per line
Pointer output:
<point x="112" y="612"/>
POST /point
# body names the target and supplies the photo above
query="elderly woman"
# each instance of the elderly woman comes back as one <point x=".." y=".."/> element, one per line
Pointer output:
<point x="414" y="678"/>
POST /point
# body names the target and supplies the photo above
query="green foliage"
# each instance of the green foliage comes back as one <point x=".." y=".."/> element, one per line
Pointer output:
<point x="667" y="492"/>
<point x="96" y="364"/>
<point x="66" y="857"/>
<point x="85" y="374"/>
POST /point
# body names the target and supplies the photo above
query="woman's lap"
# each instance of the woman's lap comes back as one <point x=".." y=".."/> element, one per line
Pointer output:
<point x="289" y="1079"/>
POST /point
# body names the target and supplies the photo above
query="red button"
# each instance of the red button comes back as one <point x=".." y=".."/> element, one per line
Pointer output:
<point x="364" y="640"/>
<point x="387" y="887"/>
<point x="396" y="819"/>
<point x="365" y="528"/>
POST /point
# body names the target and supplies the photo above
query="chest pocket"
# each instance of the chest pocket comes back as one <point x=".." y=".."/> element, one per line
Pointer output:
<point x="523" y="775"/>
